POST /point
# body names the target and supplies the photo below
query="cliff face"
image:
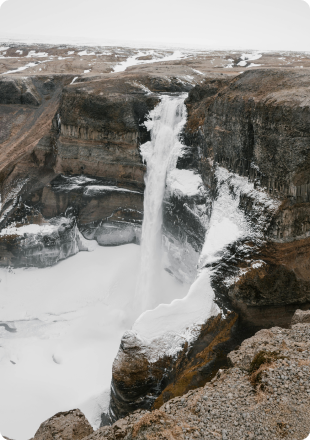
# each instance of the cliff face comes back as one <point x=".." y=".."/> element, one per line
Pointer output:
<point x="249" y="140"/>
<point x="145" y="376"/>
<point x="258" y="126"/>
<point x="70" y="161"/>
<point x="83" y="163"/>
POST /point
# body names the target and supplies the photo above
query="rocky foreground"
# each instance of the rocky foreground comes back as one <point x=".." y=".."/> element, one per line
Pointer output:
<point x="265" y="394"/>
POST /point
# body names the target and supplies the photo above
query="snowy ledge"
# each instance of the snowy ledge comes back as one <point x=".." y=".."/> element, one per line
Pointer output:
<point x="184" y="183"/>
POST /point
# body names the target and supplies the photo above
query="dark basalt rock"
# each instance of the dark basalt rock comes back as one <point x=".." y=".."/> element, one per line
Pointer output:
<point x="257" y="125"/>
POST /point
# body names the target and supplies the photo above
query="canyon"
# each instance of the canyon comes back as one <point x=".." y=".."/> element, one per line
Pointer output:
<point x="234" y="210"/>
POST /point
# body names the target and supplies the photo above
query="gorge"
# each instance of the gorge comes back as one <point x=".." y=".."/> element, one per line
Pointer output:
<point x="208" y="171"/>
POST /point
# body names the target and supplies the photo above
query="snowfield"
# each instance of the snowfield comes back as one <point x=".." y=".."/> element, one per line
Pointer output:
<point x="60" y="329"/>
<point x="132" y="61"/>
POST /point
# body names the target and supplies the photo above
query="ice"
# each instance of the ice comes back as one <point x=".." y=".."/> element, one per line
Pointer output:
<point x="254" y="65"/>
<point x="184" y="183"/>
<point x="249" y="57"/>
<point x="27" y="66"/>
<point x="227" y="224"/>
<point x="96" y="406"/>
<point x="181" y="314"/>
<point x="66" y="324"/>
<point x="63" y="58"/>
<point x="92" y="190"/>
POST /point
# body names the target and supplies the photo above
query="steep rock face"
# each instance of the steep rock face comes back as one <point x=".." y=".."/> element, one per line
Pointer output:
<point x="42" y="244"/>
<point x="148" y="375"/>
<point x="249" y="139"/>
<point x="257" y="125"/>
<point x="86" y="163"/>
<point x="185" y="222"/>
<point x="100" y="130"/>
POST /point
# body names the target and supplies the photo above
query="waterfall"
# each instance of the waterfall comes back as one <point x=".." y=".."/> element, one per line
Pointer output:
<point x="160" y="154"/>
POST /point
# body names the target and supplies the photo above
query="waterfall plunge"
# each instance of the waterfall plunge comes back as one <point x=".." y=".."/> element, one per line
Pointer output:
<point x="160" y="154"/>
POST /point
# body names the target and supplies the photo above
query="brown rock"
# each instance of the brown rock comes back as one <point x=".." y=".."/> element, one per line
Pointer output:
<point x="139" y="382"/>
<point x="239" y="403"/>
<point x="70" y="425"/>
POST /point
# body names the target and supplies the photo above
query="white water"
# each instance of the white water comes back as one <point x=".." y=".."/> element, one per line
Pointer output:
<point x="160" y="154"/>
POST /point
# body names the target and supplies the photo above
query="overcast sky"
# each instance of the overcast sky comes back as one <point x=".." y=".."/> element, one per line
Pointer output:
<point x="252" y="24"/>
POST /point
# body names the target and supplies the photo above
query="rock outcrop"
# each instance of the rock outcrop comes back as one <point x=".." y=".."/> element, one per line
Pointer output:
<point x="146" y="376"/>
<point x="301" y="317"/>
<point x="70" y="425"/>
<point x="264" y="394"/>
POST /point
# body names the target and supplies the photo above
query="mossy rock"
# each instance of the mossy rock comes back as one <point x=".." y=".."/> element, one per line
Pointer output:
<point x="264" y="357"/>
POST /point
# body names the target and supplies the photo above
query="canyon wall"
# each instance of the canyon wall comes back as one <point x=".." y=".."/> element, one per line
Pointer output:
<point x="258" y="126"/>
<point x="73" y="151"/>
<point x="69" y="159"/>
<point x="252" y="135"/>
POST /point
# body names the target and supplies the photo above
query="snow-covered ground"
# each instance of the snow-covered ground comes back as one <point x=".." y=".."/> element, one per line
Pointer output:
<point x="132" y="61"/>
<point x="60" y="329"/>
<point x="27" y="66"/>
<point x="184" y="183"/>
<point x="249" y="57"/>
